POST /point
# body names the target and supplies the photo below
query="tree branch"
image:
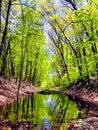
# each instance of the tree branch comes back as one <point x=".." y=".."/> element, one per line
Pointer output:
<point x="25" y="5"/>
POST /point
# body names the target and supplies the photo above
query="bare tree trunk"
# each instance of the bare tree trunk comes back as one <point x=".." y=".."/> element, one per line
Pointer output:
<point x="35" y="69"/>
<point x="12" y="65"/>
<point x="26" y="71"/>
<point x="30" y="75"/>
<point x="0" y="15"/>
<point x="22" y="54"/>
<point x="3" y="67"/>
<point x="72" y="3"/>
<point x="3" y="41"/>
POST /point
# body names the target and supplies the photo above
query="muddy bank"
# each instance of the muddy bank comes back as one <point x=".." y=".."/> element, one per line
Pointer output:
<point x="7" y="125"/>
<point x="90" y="123"/>
<point x="9" y="90"/>
<point x="87" y="96"/>
<point x="89" y="99"/>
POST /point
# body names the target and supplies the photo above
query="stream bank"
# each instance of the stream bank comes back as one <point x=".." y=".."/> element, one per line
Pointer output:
<point x="90" y="123"/>
<point x="88" y="97"/>
<point x="9" y="90"/>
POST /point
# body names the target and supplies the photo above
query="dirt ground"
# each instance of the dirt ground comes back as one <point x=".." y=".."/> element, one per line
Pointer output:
<point x="9" y="90"/>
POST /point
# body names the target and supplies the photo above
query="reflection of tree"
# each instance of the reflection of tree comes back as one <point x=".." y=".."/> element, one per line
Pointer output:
<point x="23" y="108"/>
<point x="60" y="116"/>
<point x="34" y="108"/>
<point x="6" y="111"/>
<point x="59" y="110"/>
<point x="63" y="110"/>
<point x="28" y="107"/>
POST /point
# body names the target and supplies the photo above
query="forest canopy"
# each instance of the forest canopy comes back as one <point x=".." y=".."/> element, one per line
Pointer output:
<point x="49" y="43"/>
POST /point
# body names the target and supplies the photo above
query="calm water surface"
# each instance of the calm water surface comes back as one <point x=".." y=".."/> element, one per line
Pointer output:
<point x="43" y="110"/>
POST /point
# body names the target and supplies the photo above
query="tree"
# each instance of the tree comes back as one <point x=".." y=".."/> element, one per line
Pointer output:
<point x="75" y="32"/>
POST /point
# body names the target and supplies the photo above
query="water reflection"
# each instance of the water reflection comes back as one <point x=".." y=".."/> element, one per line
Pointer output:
<point x="44" y="110"/>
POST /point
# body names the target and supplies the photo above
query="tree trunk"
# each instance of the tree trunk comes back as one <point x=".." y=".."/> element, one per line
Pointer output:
<point x="35" y="69"/>
<point x="26" y="71"/>
<point x="4" y="56"/>
<point x="3" y="41"/>
<point x="0" y="15"/>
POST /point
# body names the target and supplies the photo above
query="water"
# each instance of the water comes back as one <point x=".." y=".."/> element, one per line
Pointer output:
<point x="44" y="111"/>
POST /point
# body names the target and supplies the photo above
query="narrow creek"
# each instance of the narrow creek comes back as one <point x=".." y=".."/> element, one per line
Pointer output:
<point x="42" y="110"/>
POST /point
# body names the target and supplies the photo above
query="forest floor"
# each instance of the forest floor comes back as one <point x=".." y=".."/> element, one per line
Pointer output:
<point x="90" y="123"/>
<point x="9" y="90"/>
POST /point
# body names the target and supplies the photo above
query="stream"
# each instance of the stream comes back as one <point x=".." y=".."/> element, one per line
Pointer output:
<point x="44" y="111"/>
